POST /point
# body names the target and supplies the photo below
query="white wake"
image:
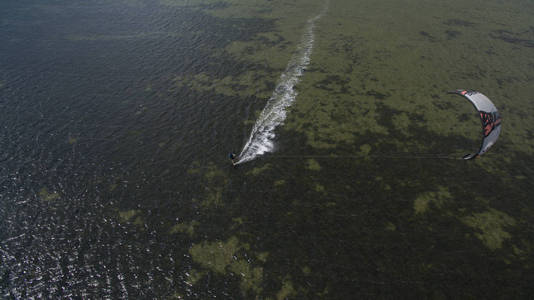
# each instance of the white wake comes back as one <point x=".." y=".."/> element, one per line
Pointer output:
<point x="262" y="135"/>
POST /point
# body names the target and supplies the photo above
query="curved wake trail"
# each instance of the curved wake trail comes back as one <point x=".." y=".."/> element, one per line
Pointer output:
<point x="274" y="113"/>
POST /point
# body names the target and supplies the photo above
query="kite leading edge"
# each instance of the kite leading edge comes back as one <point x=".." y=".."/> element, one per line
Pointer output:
<point x="489" y="116"/>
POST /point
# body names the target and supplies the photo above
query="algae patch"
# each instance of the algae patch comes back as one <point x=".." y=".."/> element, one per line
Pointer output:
<point x="223" y="257"/>
<point x="246" y="84"/>
<point x="213" y="198"/>
<point x="438" y="198"/>
<point x="214" y="180"/>
<point x="215" y="176"/>
<point x="319" y="188"/>
<point x="490" y="226"/>
<point x="189" y="229"/>
<point x="286" y="291"/>
<point x="215" y="256"/>
<point x="402" y="123"/>
<point x="365" y="149"/>
<point x="251" y="278"/>
<point x="127" y="215"/>
<point x="47" y="196"/>
<point x="313" y="165"/>
<point x="259" y="170"/>
<point x="113" y="186"/>
<point x="279" y="183"/>
<point x="390" y="226"/>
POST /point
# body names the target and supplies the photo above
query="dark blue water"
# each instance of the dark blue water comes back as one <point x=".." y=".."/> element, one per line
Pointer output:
<point x="88" y="102"/>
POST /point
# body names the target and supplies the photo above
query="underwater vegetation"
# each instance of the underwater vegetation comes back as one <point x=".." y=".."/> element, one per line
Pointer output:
<point x="366" y="193"/>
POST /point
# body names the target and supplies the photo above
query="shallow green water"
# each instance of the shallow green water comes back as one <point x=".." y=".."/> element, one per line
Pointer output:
<point x="117" y="117"/>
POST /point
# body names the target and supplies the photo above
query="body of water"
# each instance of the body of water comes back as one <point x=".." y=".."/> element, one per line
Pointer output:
<point x="117" y="117"/>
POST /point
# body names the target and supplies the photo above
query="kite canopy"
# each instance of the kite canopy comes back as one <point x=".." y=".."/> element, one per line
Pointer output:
<point x="491" y="120"/>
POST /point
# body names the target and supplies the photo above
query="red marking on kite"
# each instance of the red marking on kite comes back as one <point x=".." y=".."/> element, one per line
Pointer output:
<point x="463" y="93"/>
<point x="488" y="129"/>
<point x="488" y="123"/>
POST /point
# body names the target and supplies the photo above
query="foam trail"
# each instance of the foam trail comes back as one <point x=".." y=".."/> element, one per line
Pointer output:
<point x="274" y="113"/>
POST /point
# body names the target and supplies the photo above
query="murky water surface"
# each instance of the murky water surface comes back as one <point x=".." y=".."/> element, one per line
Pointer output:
<point x="116" y="119"/>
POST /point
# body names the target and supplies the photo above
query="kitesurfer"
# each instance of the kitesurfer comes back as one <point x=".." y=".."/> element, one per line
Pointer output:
<point x="232" y="157"/>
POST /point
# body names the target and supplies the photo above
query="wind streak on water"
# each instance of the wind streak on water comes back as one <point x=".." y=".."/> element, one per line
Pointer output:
<point x="274" y="113"/>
